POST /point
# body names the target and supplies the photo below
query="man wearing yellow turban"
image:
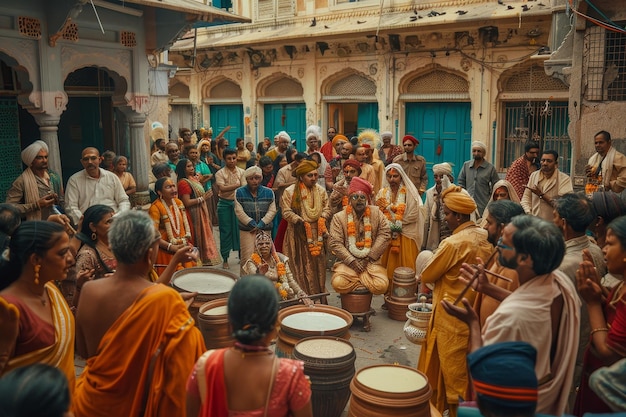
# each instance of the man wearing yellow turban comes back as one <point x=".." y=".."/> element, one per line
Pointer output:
<point x="443" y="358"/>
<point x="305" y="208"/>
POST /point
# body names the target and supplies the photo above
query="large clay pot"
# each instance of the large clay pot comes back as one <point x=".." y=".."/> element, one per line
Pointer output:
<point x="329" y="363"/>
<point x="389" y="390"/>
<point x="210" y="284"/>
<point x="214" y="325"/>
<point x="403" y="285"/>
<point x="299" y="322"/>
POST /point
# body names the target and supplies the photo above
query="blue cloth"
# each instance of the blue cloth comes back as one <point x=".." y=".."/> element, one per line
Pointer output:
<point x="255" y="207"/>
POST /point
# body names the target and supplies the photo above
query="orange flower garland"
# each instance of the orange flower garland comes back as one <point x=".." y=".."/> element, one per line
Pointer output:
<point x="362" y="248"/>
<point x="394" y="213"/>
<point x="315" y="248"/>
<point x="282" y="286"/>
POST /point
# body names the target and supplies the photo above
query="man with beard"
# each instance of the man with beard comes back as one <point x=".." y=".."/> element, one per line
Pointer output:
<point x="37" y="189"/>
<point x="519" y="171"/>
<point x="544" y="186"/>
<point x="443" y="358"/>
<point x="387" y="151"/>
<point x="93" y="185"/>
<point x="329" y="150"/>
<point x="367" y="171"/>
<point x="493" y="291"/>
<point x="544" y="311"/>
<point x="357" y="247"/>
<point x="478" y="176"/>
<point x="333" y="172"/>
<point x="606" y="169"/>
<point x="413" y="165"/>
<point x="339" y="196"/>
<point x="282" y="144"/>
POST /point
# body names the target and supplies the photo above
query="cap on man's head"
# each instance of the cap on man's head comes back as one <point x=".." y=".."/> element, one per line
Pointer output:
<point x="504" y="374"/>
<point x="354" y="164"/>
<point x="411" y="138"/>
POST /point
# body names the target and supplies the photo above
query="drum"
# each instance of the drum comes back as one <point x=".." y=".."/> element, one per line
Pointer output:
<point x="299" y="322"/>
<point x="329" y="363"/>
<point x="389" y="390"/>
<point x="214" y="325"/>
<point x="404" y="285"/>
<point x="209" y="283"/>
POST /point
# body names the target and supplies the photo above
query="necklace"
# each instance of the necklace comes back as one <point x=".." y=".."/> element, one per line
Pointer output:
<point x="174" y="219"/>
<point x="362" y="248"/>
<point x="252" y="350"/>
<point x="282" y="285"/>
<point x="41" y="298"/>
<point x="173" y="224"/>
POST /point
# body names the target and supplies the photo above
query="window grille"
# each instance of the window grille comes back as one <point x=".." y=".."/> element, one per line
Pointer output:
<point x="605" y="65"/>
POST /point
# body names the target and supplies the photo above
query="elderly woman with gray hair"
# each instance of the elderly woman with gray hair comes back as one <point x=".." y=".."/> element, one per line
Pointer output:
<point x="138" y="337"/>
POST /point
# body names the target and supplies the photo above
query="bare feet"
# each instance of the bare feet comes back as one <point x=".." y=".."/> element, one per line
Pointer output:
<point x="9" y="327"/>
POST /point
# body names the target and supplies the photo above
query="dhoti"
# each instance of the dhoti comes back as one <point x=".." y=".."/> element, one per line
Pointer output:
<point x="346" y="279"/>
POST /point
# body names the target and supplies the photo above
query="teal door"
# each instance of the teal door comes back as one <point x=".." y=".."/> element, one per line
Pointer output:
<point x="227" y="115"/>
<point x="367" y="117"/>
<point x="289" y="117"/>
<point x="444" y="131"/>
<point x="10" y="148"/>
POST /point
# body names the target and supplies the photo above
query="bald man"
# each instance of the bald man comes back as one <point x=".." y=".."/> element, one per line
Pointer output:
<point x="93" y="185"/>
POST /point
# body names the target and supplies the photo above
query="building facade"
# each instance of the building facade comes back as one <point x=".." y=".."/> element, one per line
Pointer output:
<point x="447" y="72"/>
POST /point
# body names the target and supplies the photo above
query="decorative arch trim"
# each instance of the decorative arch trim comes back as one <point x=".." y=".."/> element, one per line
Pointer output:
<point x="529" y="77"/>
<point x="266" y="83"/>
<point x="444" y="82"/>
<point x="214" y="82"/>
<point x="336" y="78"/>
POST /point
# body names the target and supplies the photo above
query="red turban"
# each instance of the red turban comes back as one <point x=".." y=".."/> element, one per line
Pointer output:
<point x="354" y="164"/>
<point x="412" y="139"/>
<point x="358" y="184"/>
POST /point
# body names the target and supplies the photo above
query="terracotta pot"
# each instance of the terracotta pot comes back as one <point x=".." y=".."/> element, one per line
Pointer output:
<point x="396" y="310"/>
<point x="416" y="327"/>
<point x="209" y="283"/>
<point x="357" y="301"/>
<point x="403" y="285"/>
<point x="214" y="325"/>
<point x="389" y="390"/>
<point x="299" y="322"/>
<point x="329" y="363"/>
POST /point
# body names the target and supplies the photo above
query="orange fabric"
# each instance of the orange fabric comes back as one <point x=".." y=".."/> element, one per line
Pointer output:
<point x="115" y="379"/>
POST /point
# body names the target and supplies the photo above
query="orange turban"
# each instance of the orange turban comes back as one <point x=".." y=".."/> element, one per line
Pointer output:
<point x="458" y="201"/>
<point x="338" y="138"/>
<point x="305" y="166"/>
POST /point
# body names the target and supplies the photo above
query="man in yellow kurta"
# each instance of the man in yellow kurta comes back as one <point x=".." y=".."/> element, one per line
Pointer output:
<point x="359" y="234"/>
<point x="443" y="359"/>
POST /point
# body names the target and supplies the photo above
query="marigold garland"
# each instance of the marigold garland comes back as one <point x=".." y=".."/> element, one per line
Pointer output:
<point x="315" y="248"/>
<point x="282" y="285"/>
<point x="362" y="248"/>
<point x="393" y="212"/>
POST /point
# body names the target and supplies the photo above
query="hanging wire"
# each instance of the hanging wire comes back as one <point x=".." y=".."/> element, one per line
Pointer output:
<point x="607" y="26"/>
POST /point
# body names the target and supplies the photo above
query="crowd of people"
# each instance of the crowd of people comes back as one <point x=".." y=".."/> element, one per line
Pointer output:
<point x="525" y="275"/>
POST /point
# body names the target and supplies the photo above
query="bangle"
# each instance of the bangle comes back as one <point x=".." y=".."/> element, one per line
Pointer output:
<point x="599" y="329"/>
<point x="169" y="245"/>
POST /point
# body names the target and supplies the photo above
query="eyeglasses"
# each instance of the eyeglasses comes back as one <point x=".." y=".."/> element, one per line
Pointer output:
<point x="356" y="197"/>
<point x="89" y="158"/>
<point x="501" y="245"/>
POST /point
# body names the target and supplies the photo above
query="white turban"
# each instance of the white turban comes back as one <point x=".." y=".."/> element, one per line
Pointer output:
<point x="253" y="170"/>
<point x="443" y="168"/>
<point x="479" y="144"/>
<point x="30" y="152"/>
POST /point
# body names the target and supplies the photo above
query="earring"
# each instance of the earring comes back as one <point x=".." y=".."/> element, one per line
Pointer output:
<point x="37" y="268"/>
<point x="94" y="237"/>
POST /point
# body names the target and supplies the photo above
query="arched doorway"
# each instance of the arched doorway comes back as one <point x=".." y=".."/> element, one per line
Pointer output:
<point x="225" y="109"/>
<point x="283" y="108"/>
<point x="351" y="100"/>
<point x="90" y="118"/>
<point x="437" y="112"/>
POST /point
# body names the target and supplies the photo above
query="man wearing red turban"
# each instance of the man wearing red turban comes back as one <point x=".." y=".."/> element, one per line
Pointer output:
<point x="413" y="165"/>
<point x="359" y="235"/>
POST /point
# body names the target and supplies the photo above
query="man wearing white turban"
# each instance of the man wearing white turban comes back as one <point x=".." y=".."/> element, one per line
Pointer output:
<point x="255" y="210"/>
<point x="478" y="176"/>
<point x="37" y="189"/>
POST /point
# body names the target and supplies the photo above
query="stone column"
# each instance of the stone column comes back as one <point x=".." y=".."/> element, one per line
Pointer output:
<point x="49" y="127"/>
<point x="139" y="156"/>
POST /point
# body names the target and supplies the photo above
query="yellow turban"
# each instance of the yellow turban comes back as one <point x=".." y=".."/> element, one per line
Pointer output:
<point x="338" y="138"/>
<point x="305" y="166"/>
<point x="458" y="201"/>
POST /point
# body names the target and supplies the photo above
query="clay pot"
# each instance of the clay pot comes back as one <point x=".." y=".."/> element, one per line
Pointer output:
<point x="214" y="325"/>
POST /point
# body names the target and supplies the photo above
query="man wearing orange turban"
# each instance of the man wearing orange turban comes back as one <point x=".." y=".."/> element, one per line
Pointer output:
<point x="443" y="359"/>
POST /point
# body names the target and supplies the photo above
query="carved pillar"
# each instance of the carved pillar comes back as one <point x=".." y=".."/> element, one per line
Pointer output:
<point x="49" y="127"/>
<point x="139" y="156"/>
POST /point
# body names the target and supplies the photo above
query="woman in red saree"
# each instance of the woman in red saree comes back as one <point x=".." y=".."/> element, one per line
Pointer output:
<point x="195" y="199"/>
